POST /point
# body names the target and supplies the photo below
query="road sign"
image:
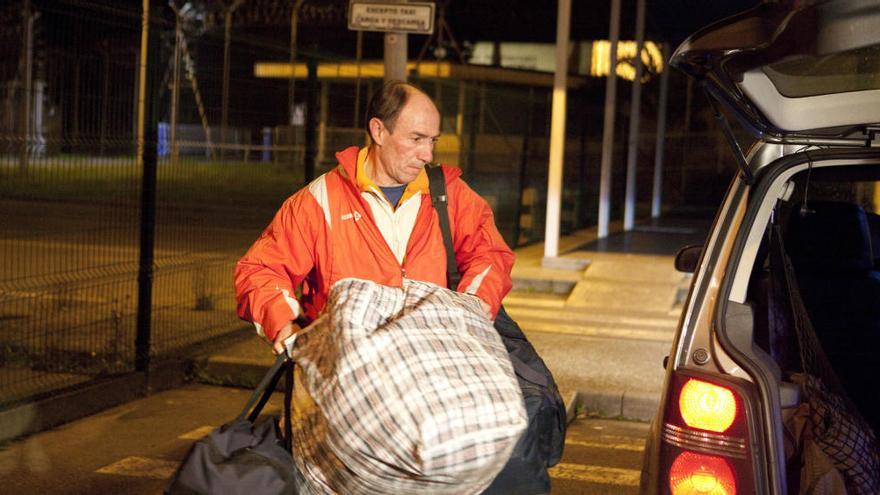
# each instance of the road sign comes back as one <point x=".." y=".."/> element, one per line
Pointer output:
<point x="409" y="17"/>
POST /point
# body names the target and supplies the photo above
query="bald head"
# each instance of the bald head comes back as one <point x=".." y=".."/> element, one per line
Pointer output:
<point x="387" y="103"/>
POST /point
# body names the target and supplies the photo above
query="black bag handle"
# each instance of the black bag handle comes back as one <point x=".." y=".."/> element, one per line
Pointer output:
<point x="437" y="185"/>
<point x="264" y="389"/>
<point x="283" y="366"/>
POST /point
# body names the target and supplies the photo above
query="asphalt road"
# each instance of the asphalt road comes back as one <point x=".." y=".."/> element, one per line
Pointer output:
<point x="134" y="448"/>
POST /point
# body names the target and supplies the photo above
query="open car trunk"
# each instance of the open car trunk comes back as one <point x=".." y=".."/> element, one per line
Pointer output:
<point x="814" y="294"/>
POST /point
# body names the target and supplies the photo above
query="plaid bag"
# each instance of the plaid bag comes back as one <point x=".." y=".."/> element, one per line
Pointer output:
<point x="412" y="389"/>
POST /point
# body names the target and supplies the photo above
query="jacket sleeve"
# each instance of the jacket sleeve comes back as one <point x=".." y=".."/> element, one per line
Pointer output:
<point x="275" y="265"/>
<point x="484" y="259"/>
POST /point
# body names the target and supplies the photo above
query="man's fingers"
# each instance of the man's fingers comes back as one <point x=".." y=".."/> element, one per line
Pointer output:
<point x="278" y="344"/>
<point x="284" y="333"/>
<point x="278" y="347"/>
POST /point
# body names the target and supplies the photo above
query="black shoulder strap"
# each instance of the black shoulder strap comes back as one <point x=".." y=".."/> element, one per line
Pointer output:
<point x="437" y="184"/>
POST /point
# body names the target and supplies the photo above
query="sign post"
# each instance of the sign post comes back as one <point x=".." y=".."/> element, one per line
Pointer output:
<point x="395" y="19"/>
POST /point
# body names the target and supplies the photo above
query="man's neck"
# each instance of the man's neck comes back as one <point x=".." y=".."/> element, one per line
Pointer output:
<point x="374" y="173"/>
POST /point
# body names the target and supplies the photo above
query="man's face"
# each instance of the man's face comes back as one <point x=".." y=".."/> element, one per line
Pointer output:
<point x="400" y="155"/>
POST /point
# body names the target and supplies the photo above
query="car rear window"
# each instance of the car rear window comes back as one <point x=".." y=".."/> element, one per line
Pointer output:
<point x="808" y="75"/>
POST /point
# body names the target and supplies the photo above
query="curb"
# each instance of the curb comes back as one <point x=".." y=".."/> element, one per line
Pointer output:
<point x="69" y="405"/>
<point x="616" y="405"/>
<point x="632" y="406"/>
<point x="230" y="373"/>
<point x="571" y="407"/>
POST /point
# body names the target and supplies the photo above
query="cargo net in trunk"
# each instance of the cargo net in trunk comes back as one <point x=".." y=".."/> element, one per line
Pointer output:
<point x="835" y="424"/>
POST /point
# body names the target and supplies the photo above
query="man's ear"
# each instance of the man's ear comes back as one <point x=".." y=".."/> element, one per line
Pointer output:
<point x="377" y="130"/>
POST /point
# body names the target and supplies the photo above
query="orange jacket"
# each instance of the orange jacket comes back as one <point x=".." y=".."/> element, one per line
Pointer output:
<point x="326" y="232"/>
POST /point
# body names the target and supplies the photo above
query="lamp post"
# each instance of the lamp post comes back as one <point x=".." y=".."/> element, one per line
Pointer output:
<point x="227" y="32"/>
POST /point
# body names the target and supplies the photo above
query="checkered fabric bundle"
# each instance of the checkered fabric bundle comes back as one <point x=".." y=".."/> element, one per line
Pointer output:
<point x="412" y="392"/>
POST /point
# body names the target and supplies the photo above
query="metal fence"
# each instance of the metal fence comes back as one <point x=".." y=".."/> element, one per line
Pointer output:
<point x="230" y="150"/>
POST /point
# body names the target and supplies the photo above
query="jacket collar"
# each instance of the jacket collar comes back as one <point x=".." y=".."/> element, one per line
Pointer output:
<point x="354" y="165"/>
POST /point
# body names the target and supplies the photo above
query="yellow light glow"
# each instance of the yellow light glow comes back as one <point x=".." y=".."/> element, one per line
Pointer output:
<point x="707" y="406"/>
<point x="347" y="70"/>
<point x="600" y="62"/>
<point x="698" y="474"/>
<point x="704" y="482"/>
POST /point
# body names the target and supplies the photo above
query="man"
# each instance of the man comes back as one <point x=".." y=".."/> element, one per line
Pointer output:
<point x="371" y="218"/>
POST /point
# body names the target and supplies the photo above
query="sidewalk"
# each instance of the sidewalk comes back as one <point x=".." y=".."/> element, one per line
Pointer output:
<point x="603" y="330"/>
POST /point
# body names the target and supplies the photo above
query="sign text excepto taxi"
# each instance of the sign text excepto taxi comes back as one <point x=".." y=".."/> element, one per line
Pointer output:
<point x="410" y="17"/>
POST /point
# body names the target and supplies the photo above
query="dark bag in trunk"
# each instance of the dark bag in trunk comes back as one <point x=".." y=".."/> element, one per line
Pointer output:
<point x="244" y="456"/>
<point x="542" y="443"/>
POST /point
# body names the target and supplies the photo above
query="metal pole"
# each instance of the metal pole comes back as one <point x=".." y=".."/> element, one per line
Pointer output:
<point x="311" y="120"/>
<point x="369" y="92"/>
<point x="291" y="102"/>
<point x="657" y="195"/>
<point x="476" y="128"/>
<point x="175" y="88"/>
<point x="523" y="168"/>
<point x="459" y="122"/>
<point x="632" y="155"/>
<point x="227" y="34"/>
<point x="224" y="113"/>
<point x="105" y="100"/>
<point x="688" y="104"/>
<point x="608" y="124"/>
<point x="459" y="109"/>
<point x="557" y="132"/>
<point x="395" y="56"/>
<point x="146" y="159"/>
<point x="481" y="126"/>
<point x="322" y="122"/>
<point x="76" y="99"/>
<point x="357" y="81"/>
<point x="136" y="97"/>
<point x="27" y="63"/>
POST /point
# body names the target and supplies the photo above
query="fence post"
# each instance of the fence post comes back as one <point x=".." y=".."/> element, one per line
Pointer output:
<point x="476" y="128"/>
<point x="311" y="120"/>
<point x="523" y="168"/>
<point x="146" y="145"/>
<point x="26" y="68"/>
<point x="322" y="122"/>
<point x="175" y="88"/>
<point x="105" y="97"/>
<point x="291" y="85"/>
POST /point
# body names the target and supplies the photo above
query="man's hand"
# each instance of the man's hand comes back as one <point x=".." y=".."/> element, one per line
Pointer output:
<point x="285" y="332"/>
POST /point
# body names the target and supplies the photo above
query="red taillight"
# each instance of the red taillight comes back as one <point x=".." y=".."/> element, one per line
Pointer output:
<point x="698" y="474"/>
<point x="707" y="406"/>
<point x="705" y="447"/>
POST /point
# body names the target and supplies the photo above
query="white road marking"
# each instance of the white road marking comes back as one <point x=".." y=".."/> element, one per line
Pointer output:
<point x="575" y="315"/>
<point x="593" y="331"/>
<point x="197" y="434"/>
<point x="533" y="302"/>
<point x="604" y="445"/>
<point x="596" y="474"/>
<point x="141" y="467"/>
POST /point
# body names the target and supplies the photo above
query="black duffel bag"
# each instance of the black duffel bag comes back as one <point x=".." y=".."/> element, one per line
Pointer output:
<point x="247" y="455"/>
<point x="542" y="443"/>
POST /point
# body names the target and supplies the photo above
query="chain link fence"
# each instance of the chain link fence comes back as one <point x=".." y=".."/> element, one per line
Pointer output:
<point x="230" y="148"/>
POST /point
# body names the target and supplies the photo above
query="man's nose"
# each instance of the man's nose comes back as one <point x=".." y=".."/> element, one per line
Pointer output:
<point x="426" y="152"/>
